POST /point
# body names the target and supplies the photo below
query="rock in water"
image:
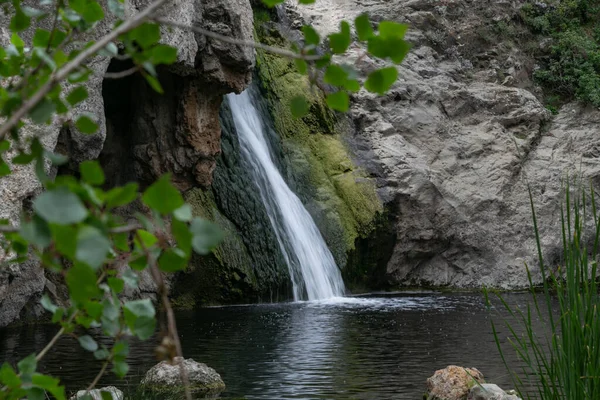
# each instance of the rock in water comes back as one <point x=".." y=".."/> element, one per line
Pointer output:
<point x="164" y="380"/>
<point x="96" y="394"/>
<point x="489" y="391"/>
<point x="452" y="383"/>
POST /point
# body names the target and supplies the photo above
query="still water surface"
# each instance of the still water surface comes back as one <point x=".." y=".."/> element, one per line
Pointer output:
<point x="357" y="348"/>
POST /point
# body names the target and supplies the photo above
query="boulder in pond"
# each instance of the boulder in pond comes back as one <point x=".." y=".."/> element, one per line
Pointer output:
<point x="489" y="391"/>
<point x="452" y="383"/>
<point x="164" y="380"/>
<point x="96" y="394"/>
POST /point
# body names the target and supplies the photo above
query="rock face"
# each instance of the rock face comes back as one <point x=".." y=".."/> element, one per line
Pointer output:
<point x="96" y="394"/>
<point x="141" y="135"/>
<point x="456" y="140"/>
<point x="452" y="383"/>
<point x="164" y="380"/>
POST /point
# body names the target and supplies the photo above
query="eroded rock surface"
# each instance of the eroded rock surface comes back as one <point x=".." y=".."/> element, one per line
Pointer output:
<point x="456" y="140"/>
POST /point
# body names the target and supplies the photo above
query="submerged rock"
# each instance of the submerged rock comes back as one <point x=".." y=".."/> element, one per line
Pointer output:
<point x="452" y="383"/>
<point x="164" y="380"/>
<point x="489" y="391"/>
<point x="96" y="394"/>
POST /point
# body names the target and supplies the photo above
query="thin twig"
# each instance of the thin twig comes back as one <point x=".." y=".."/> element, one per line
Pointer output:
<point x="121" y="74"/>
<point x="118" y="229"/>
<point x="97" y="378"/>
<point x="64" y="72"/>
<point x="171" y="323"/>
<point x="239" y="42"/>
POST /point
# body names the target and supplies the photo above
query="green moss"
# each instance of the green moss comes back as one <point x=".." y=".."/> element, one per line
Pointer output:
<point x="340" y="196"/>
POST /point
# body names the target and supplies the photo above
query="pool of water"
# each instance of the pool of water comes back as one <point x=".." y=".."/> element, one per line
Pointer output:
<point x="376" y="347"/>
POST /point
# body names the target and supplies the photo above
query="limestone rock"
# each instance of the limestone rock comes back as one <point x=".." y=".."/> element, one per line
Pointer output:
<point x="96" y="394"/>
<point x="452" y="383"/>
<point x="165" y="378"/>
<point x="489" y="391"/>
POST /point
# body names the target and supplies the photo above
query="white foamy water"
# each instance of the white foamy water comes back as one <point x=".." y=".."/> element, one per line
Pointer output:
<point x="313" y="271"/>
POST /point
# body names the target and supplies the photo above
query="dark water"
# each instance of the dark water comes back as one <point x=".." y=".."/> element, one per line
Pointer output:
<point x="361" y="348"/>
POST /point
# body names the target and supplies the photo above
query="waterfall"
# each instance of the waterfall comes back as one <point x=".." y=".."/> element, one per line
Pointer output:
<point x="313" y="271"/>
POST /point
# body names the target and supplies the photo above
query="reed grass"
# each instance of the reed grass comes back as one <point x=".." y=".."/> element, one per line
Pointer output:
<point x="562" y="363"/>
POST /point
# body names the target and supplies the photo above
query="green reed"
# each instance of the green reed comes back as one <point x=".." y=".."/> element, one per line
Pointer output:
<point x="564" y="362"/>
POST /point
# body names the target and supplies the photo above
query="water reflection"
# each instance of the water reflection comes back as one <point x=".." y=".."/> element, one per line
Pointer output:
<point x="360" y="348"/>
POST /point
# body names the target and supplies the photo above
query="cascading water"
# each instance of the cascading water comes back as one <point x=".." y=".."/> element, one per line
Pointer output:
<point x="313" y="271"/>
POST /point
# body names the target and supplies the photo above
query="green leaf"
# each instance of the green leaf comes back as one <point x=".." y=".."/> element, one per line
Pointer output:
<point x="144" y="327"/>
<point x="183" y="213"/>
<point x="41" y="38"/>
<point x="299" y="107"/>
<point x="106" y="395"/>
<point x="48" y="304"/>
<point x="85" y="124"/>
<point x="130" y="278"/>
<point x="182" y="234"/>
<point x="60" y="206"/>
<point x="77" y="95"/>
<point x="339" y="42"/>
<point x="140" y="263"/>
<point x="301" y="66"/>
<point x="42" y="112"/>
<point x="27" y="365"/>
<point x="56" y="158"/>
<point x="139" y="317"/>
<point x="310" y="35"/>
<point x="116" y="7"/>
<point x="154" y="83"/>
<point x="272" y="3"/>
<point x="92" y="247"/>
<point x="9" y="377"/>
<point x="63" y="239"/>
<point x="147" y="239"/>
<point x="338" y="101"/>
<point x="81" y="281"/>
<point x="364" y="30"/>
<point x="146" y="34"/>
<point x="101" y="354"/>
<point x="173" y="260"/>
<point x="121" y="196"/>
<point x="206" y="236"/>
<point x="17" y="41"/>
<point x="138" y="308"/>
<point x="36" y="232"/>
<point x="111" y="50"/>
<point x="88" y="343"/>
<point x="116" y="284"/>
<point x="335" y="75"/>
<point x="93" y="12"/>
<point x="163" y="54"/>
<point x="20" y="21"/>
<point x="120" y="368"/>
<point x="91" y="172"/>
<point x="381" y="81"/>
<point x="94" y="309"/>
<point x="306" y="1"/>
<point x="162" y="196"/>
<point x="41" y="53"/>
<point x="390" y="29"/>
<point x="49" y="384"/>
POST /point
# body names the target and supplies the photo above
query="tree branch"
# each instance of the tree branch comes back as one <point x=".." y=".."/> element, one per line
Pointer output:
<point x="121" y="74"/>
<point x="118" y="229"/>
<point x="239" y="42"/>
<point x="64" y="72"/>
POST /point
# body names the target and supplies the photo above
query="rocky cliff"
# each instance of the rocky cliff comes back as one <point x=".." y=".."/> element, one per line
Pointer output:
<point x="455" y="142"/>
<point x="142" y="134"/>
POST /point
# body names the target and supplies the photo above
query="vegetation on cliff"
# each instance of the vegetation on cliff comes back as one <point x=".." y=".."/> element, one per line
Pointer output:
<point x="570" y="65"/>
